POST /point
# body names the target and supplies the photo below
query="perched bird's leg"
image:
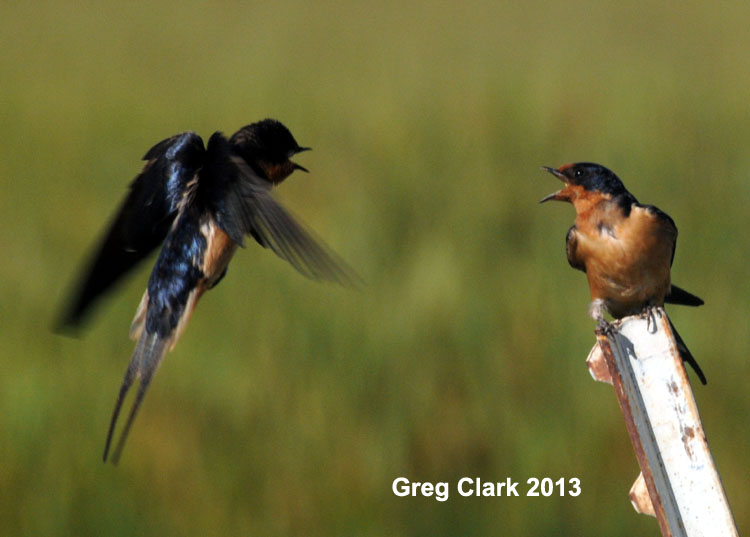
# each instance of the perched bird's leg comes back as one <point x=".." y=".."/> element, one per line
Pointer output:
<point x="605" y="327"/>
<point x="596" y="311"/>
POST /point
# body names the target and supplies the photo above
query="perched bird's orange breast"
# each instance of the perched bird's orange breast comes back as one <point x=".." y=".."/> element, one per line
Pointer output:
<point x="627" y="259"/>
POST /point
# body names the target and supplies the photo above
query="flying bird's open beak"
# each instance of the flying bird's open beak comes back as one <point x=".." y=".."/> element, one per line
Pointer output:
<point x="558" y="196"/>
<point x="297" y="166"/>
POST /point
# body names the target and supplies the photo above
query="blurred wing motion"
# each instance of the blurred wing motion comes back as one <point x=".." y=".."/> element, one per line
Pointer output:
<point x="143" y="221"/>
<point x="247" y="207"/>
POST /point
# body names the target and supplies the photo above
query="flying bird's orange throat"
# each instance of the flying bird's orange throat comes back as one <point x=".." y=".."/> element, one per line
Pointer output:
<point x="276" y="173"/>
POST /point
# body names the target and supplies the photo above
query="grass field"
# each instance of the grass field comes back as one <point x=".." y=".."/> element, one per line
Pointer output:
<point x="289" y="407"/>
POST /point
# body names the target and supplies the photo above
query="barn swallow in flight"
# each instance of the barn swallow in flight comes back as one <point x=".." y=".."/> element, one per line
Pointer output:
<point x="198" y="203"/>
<point x="625" y="248"/>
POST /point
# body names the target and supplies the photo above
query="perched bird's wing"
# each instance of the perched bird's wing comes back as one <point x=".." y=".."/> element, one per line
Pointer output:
<point x="571" y="249"/>
<point x="143" y="221"/>
<point x="666" y="225"/>
<point x="242" y="203"/>
<point x="669" y="229"/>
<point x="146" y="358"/>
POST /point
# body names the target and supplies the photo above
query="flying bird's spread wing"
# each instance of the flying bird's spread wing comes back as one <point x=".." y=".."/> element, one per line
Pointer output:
<point x="275" y="228"/>
<point x="242" y="203"/>
<point x="143" y="221"/>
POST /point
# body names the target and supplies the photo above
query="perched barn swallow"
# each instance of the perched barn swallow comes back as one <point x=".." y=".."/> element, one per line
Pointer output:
<point x="198" y="203"/>
<point x="625" y="248"/>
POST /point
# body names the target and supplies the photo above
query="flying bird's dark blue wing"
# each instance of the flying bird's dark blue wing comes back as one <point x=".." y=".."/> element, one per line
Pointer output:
<point x="143" y="221"/>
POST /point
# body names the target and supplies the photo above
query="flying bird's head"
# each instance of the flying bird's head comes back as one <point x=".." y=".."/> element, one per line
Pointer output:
<point x="584" y="180"/>
<point x="267" y="146"/>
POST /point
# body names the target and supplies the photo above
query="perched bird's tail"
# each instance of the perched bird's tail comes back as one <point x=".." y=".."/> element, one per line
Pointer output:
<point x="685" y="353"/>
<point x="678" y="295"/>
<point x="147" y="356"/>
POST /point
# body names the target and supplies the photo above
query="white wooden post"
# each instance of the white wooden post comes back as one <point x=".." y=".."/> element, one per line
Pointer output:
<point x="640" y="359"/>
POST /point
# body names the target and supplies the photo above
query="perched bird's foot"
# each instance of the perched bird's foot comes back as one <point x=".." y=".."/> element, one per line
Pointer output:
<point x="650" y="312"/>
<point x="605" y="327"/>
<point x="596" y="311"/>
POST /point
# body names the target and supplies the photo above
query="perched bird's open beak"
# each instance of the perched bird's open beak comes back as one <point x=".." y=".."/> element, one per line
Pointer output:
<point x="555" y="195"/>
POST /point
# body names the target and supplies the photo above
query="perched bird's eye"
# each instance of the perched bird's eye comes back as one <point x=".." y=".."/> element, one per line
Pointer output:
<point x="578" y="173"/>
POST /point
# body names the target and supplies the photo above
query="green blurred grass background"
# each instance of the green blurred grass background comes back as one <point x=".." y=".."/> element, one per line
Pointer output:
<point x="288" y="407"/>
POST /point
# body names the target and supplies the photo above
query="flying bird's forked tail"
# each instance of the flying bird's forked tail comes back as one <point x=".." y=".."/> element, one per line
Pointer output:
<point x="147" y="356"/>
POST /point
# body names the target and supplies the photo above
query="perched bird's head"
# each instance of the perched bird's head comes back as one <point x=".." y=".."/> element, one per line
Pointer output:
<point x="267" y="146"/>
<point x="582" y="180"/>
